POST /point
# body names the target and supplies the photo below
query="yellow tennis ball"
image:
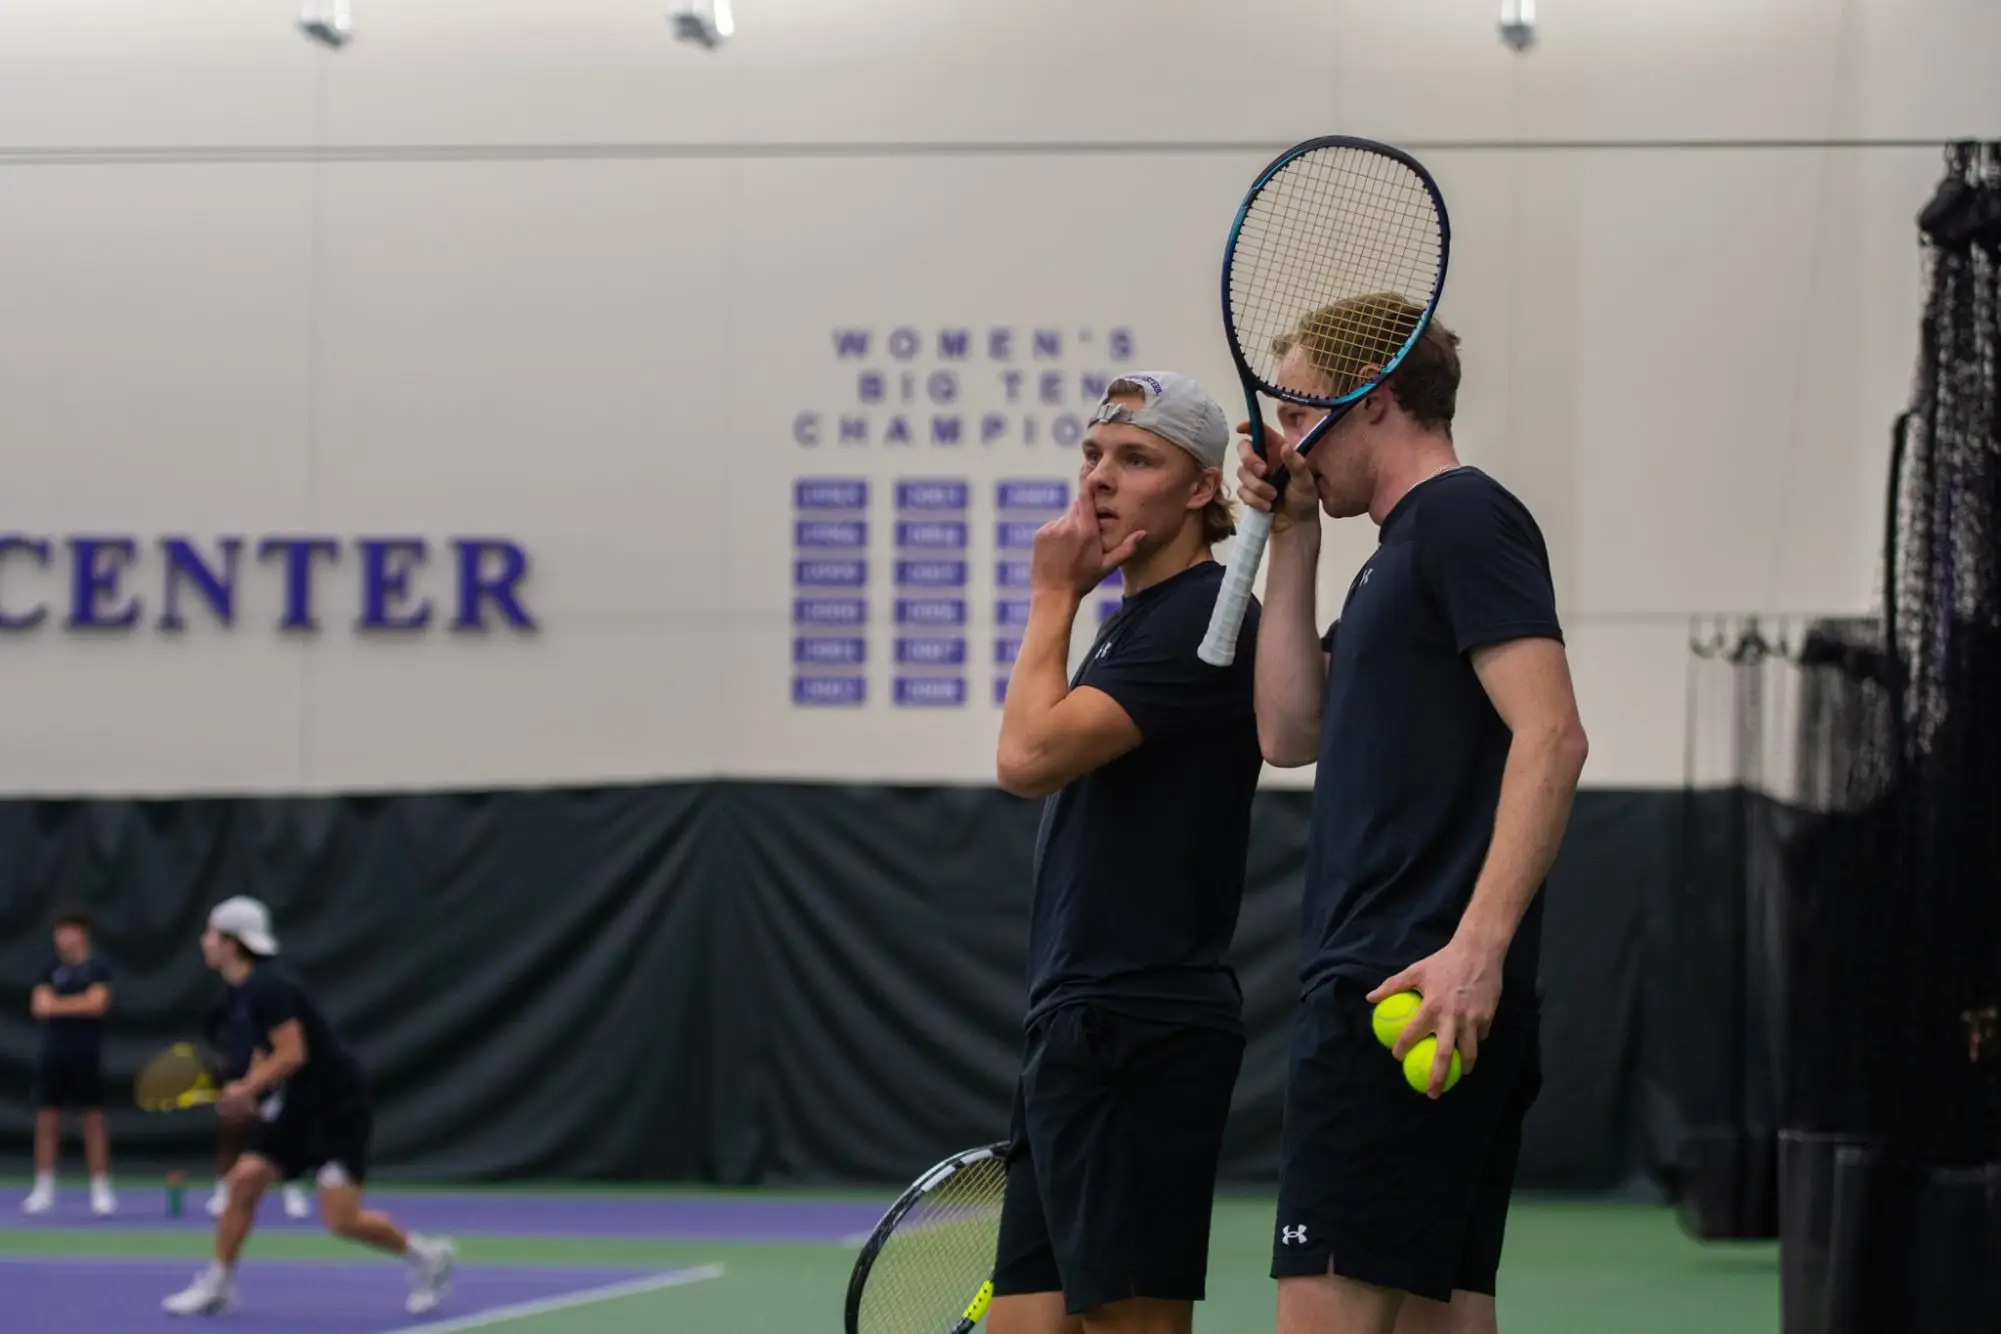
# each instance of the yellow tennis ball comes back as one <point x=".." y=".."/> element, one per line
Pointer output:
<point x="1417" y="1065"/>
<point x="1393" y="1013"/>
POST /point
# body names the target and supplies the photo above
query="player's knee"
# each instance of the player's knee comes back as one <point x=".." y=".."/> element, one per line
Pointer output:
<point x="342" y="1217"/>
<point x="1467" y="1313"/>
<point x="1311" y="1302"/>
<point x="250" y="1177"/>
<point x="1030" y="1313"/>
<point x="1140" y="1315"/>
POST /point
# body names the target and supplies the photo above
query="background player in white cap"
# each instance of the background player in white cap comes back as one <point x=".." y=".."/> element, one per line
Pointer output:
<point x="309" y="1099"/>
<point x="230" y="1032"/>
<point x="1149" y="759"/>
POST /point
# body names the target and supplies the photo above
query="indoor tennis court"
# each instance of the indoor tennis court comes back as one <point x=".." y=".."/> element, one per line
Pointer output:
<point x="930" y="666"/>
<point x="633" y="1260"/>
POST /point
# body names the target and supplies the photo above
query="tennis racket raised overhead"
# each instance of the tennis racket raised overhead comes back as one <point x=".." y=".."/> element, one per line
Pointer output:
<point x="928" y="1266"/>
<point x="180" y="1077"/>
<point x="1338" y="252"/>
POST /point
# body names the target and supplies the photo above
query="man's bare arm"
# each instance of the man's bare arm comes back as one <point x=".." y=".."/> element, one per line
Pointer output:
<point x="1291" y="670"/>
<point x="1528" y="681"/>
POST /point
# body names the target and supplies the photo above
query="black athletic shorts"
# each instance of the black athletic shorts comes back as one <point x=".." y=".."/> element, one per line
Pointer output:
<point x="1395" y="1189"/>
<point x="1118" y="1125"/>
<point x="306" y="1137"/>
<point x="72" y="1080"/>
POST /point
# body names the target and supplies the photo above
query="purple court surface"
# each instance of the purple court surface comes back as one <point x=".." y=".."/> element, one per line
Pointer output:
<point x="56" y="1296"/>
<point x="475" y="1213"/>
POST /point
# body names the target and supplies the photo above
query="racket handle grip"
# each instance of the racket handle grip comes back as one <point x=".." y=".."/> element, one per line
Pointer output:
<point x="1219" y="646"/>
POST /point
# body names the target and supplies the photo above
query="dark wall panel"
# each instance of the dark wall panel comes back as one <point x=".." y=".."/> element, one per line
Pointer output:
<point x="741" y="982"/>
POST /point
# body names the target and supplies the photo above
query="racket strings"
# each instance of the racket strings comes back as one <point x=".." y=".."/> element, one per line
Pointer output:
<point x="170" y="1077"/>
<point x="1339" y="252"/>
<point x="938" y="1255"/>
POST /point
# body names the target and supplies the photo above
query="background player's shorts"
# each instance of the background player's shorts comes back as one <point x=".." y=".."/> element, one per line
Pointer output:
<point x="309" y="1136"/>
<point x="1118" y="1126"/>
<point x="70" y="1080"/>
<point x="1397" y="1190"/>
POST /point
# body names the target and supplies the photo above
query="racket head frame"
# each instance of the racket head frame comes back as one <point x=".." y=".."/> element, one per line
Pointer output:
<point x="206" y="1089"/>
<point x="1219" y="642"/>
<point x="928" y="1181"/>
<point x="1339" y="406"/>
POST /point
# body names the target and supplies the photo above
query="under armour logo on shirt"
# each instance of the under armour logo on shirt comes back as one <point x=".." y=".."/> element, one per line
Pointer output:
<point x="1366" y="572"/>
<point x="1293" y="1236"/>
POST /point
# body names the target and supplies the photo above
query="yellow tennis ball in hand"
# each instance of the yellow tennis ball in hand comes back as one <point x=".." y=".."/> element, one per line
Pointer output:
<point x="1417" y="1065"/>
<point x="1393" y="1013"/>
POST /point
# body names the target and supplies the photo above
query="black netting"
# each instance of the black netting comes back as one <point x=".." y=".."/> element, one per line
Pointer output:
<point x="1878" y="809"/>
<point x="1943" y="574"/>
<point x="1893" y="925"/>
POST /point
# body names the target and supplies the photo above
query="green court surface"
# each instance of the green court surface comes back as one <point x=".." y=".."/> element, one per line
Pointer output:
<point x="1571" y="1268"/>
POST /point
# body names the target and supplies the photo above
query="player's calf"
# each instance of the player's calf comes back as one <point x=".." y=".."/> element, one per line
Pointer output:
<point x="341" y="1211"/>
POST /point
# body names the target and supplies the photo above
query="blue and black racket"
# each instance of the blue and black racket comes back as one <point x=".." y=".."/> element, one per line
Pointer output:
<point x="928" y="1267"/>
<point x="1339" y="250"/>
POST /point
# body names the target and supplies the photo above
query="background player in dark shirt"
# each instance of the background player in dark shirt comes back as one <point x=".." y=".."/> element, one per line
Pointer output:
<point x="1440" y="712"/>
<point x="309" y="1101"/>
<point x="1148" y="759"/>
<point x="71" y="1001"/>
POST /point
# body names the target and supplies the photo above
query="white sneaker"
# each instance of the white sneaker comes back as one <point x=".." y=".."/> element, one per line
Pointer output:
<point x="102" y="1202"/>
<point x="297" y="1203"/>
<point x="41" y="1199"/>
<point x="431" y="1261"/>
<point x="212" y="1293"/>
<point x="219" y="1200"/>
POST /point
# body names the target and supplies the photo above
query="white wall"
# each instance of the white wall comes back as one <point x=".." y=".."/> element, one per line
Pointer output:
<point x="561" y="279"/>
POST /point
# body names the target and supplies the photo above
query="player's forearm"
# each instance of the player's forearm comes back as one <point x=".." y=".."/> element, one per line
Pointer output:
<point x="1291" y="669"/>
<point x="1537" y="788"/>
<point x="267" y="1071"/>
<point x="1039" y="682"/>
<point x="77" y="1007"/>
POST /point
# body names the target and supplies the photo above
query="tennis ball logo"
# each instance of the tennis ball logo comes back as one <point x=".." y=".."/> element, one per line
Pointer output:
<point x="1391" y="1015"/>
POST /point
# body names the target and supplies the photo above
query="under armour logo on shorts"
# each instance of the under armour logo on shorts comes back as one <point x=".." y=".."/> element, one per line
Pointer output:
<point x="1293" y="1236"/>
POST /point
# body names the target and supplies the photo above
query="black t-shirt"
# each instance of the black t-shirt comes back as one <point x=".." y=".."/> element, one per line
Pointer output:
<point x="270" y="997"/>
<point x="74" y="1035"/>
<point x="1411" y="748"/>
<point x="1139" y="867"/>
<point x="228" y="1032"/>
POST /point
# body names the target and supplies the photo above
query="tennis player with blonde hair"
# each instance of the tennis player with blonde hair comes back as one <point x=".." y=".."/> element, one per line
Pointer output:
<point x="1146" y="760"/>
<point x="1440" y="713"/>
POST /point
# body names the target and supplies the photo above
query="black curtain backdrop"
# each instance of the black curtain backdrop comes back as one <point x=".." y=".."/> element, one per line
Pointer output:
<point x="751" y="982"/>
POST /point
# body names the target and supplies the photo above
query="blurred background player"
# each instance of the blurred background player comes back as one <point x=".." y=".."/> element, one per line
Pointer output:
<point x="229" y="1032"/>
<point x="71" y="1002"/>
<point x="309" y="1098"/>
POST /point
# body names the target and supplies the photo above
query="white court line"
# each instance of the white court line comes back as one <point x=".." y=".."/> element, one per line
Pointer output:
<point x="589" y="1296"/>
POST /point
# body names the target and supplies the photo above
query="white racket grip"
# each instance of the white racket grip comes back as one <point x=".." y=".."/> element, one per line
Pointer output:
<point x="1226" y="618"/>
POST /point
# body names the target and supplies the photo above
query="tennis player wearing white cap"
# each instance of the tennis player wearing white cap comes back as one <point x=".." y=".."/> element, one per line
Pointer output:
<point x="1148" y="758"/>
<point x="309" y="1100"/>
